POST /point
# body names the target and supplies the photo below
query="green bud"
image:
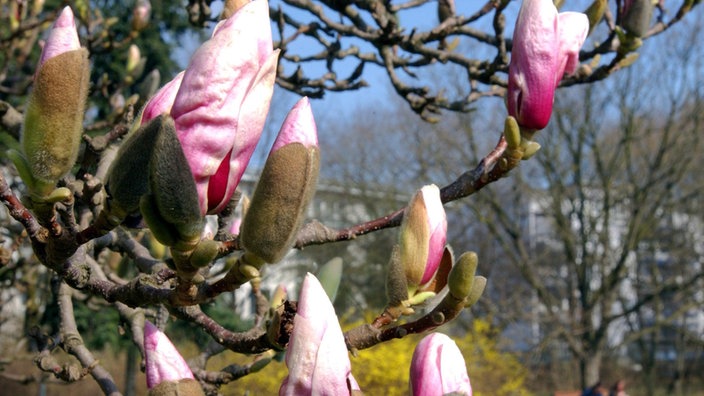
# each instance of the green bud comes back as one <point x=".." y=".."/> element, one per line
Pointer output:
<point x="329" y="276"/>
<point x="461" y="278"/>
<point x="512" y="133"/>
<point x="128" y="177"/>
<point x="204" y="253"/>
<point x="53" y="123"/>
<point x="249" y="271"/>
<point x="595" y="13"/>
<point x="529" y="148"/>
<point x="420" y="298"/>
<point x="478" y="287"/>
<point x="262" y="361"/>
<point x="280" y="199"/>
<point x="628" y="60"/>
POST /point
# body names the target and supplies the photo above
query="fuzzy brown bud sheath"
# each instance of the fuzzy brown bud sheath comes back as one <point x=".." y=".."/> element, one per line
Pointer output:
<point x="173" y="187"/>
<point x="127" y="179"/>
<point x="53" y="121"/>
<point x="285" y="188"/>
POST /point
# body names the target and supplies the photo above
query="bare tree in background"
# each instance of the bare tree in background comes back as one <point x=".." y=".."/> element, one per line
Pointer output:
<point x="614" y="183"/>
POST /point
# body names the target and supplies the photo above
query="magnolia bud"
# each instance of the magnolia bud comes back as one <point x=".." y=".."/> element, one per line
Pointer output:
<point x="422" y="237"/>
<point x="636" y="16"/>
<point x="172" y="185"/>
<point x="461" y="276"/>
<point x="54" y="118"/>
<point x="127" y="179"/>
<point x="167" y="372"/>
<point x="595" y="13"/>
<point x="438" y="368"/>
<point x="285" y="188"/>
<point x="512" y="133"/>
<point x="141" y="14"/>
<point x="478" y="287"/>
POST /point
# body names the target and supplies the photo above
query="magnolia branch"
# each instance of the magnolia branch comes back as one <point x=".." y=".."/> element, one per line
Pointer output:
<point x="340" y="30"/>
<point x="486" y="172"/>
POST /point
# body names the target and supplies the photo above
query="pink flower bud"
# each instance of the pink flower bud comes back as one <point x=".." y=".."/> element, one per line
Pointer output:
<point x="223" y="101"/>
<point x="140" y="15"/>
<point x="62" y="38"/>
<point x="545" y="46"/>
<point x="423" y="236"/>
<point x="437" y="223"/>
<point x="298" y="127"/>
<point x="438" y="368"/>
<point x="316" y="356"/>
<point x="162" y="360"/>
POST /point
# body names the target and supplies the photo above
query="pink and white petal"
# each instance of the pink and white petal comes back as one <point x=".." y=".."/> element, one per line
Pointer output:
<point x="63" y="36"/>
<point x="298" y="127"/>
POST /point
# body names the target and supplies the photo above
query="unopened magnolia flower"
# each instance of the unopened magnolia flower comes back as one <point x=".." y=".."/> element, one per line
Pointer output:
<point x="285" y="187"/>
<point x="53" y="122"/>
<point x="545" y="46"/>
<point x="219" y="104"/>
<point x="423" y="235"/>
<point x="316" y="356"/>
<point x="438" y="368"/>
<point x="163" y="363"/>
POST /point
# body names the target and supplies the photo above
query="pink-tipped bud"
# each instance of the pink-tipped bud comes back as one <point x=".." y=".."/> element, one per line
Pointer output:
<point x="423" y="235"/>
<point x="545" y="46"/>
<point x="298" y="127"/>
<point x="285" y="188"/>
<point x="438" y="368"/>
<point x="162" y="360"/>
<point x="140" y="15"/>
<point x="62" y="38"/>
<point x="316" y="356"/>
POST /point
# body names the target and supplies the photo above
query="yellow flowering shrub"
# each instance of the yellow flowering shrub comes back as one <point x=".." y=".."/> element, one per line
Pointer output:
<point x="384" y="369"/>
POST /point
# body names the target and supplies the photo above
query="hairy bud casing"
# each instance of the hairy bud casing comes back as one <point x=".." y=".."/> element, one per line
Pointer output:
<point x="172" y="184"/>
<point x="127" y="179"/>
<point x="54" y="118"/>
<point x="286" y="186"/>
<point x="276" y="213"/>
